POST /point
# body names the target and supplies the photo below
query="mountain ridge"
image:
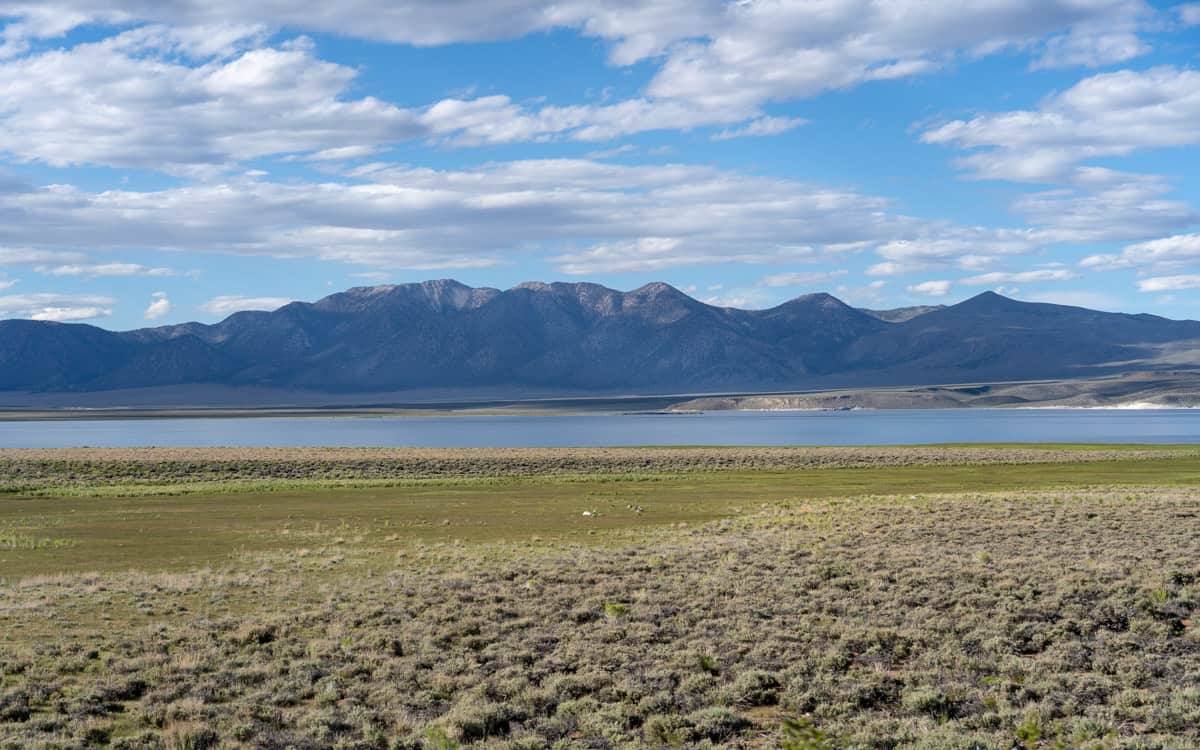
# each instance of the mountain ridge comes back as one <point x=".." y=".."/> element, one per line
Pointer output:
<point x="587" y="338"/>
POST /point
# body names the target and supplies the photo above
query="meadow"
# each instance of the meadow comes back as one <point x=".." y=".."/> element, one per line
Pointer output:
<point x="993" y="597"/>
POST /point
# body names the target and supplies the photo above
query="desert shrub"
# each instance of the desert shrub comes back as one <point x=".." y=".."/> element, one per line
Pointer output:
<point x="671" y="729"/>
<point x="477" y="719"/>
<point x="755" y="688"/>
<point x="716" y="724"/>
<point x="799" y="733"/>
<point x="190" y="737"/>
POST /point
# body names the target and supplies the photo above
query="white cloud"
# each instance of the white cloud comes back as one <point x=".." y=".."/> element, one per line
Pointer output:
<point x="1189" y="13"/>
<point x="762" y="126"/>
<point x="800" y="278"/>
<point x="1166" y="253"/>
<point x="742" y="299"/>
<point x="338" y="154"/>
<point x="104" y="269"/>
<point x="1111" y="207"/>
<point x="129" y="101"/>
<point x="609" y="153"/>
<point x="660" y="253"/>
<point x="7" y="283"/>
<point x="1092" y="300"/>
<point x="1093" y="44"/>
<point x="56" y="307"/>
<point x="1107" y="115"/>
<point x="862" y="32"/>
<point x="196" y="117"/>
<point x="870" y="294"/>
<point x="1022" y="277"/>
<point x="159" y="307"/>
<point x="938" y="288"/>
<point x="196" y="89"/>
<point x="22" y="256"/>
<point x="1170" y="283"/>
<point x="1111" y="114"/>
<point x="587" y="216"/>
<point x="770" y="51"/>
<point x="229" y="304"/>
<point x="498" y="119"/>
<point x="942" y="246"/>
<point x="584" y="216"/>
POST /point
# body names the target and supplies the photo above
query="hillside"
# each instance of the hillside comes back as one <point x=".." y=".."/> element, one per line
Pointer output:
<point x="584" y="338"/>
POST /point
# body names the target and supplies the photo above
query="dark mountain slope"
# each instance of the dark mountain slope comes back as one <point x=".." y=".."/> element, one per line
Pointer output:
<point x="998" y="338"/>
<point x="583" y="338"/>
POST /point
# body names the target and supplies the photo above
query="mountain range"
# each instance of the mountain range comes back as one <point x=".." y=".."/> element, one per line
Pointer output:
<point x="580" y="338"/>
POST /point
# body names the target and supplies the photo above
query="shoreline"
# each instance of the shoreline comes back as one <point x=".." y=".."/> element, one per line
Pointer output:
<point x="118" y="415"/>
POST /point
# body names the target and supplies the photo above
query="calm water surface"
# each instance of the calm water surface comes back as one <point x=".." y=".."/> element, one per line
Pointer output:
<point x="722" y="428"/>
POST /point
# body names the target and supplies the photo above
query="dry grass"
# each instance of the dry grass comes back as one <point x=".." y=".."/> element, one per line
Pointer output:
<point x="810" y="616"/>
<point x="24" y="470"/>
<point x="1060" y="619"/>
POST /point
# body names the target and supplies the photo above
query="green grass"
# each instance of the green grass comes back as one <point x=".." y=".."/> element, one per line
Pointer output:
<point x="210" y="524"/>
<point x="979" y="602"/>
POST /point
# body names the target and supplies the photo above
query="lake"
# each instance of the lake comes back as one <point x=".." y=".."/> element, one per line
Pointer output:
<point x="718" y="428"/>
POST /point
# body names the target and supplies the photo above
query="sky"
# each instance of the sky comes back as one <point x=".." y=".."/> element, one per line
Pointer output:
<point x="171" y="160"/>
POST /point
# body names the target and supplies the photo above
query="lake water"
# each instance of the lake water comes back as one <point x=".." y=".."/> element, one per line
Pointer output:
<point x="720" y="428"/>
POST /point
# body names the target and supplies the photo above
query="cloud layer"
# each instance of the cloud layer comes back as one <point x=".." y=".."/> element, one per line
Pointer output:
<point x="56" y="307"/>
<point x="259" y="143"/>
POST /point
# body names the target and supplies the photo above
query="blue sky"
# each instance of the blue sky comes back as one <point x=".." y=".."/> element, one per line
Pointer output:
<point x="164" y="162"/>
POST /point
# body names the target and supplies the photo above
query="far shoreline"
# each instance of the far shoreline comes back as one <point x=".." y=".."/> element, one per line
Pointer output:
<point x="1141" y="391"/>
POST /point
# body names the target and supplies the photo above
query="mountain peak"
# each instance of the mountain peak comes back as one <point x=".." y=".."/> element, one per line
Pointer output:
<point x="989" y="302"/>
<point x="822" y="298"/>
<point x="815" y="301"/>
<point x="586" y="338"/>
<point x="657" y="287"/>
<point x="536" y="286"/>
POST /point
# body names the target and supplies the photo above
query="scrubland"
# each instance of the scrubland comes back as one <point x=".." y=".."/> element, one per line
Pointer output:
<point x="987" y="604"/>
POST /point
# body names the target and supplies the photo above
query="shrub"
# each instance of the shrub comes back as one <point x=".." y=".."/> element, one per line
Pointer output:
<point x="756" y="688"/>
<point x="190" y="737"/>
<point x="799" y="733"/>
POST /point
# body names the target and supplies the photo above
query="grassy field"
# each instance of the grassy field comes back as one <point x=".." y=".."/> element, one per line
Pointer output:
<point x="992" y="597"/>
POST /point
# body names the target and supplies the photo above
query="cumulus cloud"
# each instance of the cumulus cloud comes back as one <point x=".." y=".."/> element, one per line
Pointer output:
<point x="1092" y="300"/>
<point x="104" y="269"/>
<point x="584" y="216"/>
<point x="340" y="153"/>
<point x="765" y="51"/>
<point x="762" y="126"/>
<point x="1111" y="114"/>
<point x="636" y="30"/>
<point x="159" y="307"/>
<point x="195" y="87"/>
<point x="1163" y="254"/>
<point x="22" y="256"/>
<point x="800" y="278"/>
<point x="1021" y="277"/>
<point x="129" y="101"/>
<point x="1189" y="13"/>
<point x="587" y="216"/>
<point x="195" y="117"/>
<point x="869" y="294"/>
<point x="939" y="288"/>
<point x="56" y="307"/>
<point x="1130" y="207"/>
<point x="742" y="299"/>
<point x="1176" y="283"/>
<point x="660" y="253"/>
<point x="1104" y="116"/>
<point x="943" y="246"/>
<point x="229" y="304"/>
<point x="1096" y="43"/>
